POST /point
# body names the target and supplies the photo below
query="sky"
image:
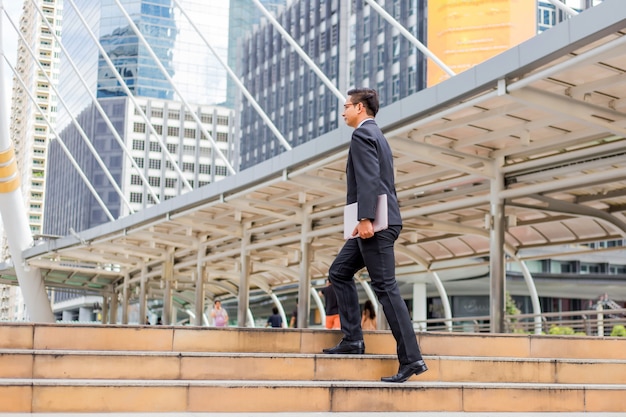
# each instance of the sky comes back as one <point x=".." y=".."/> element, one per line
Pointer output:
<point x="9" y="45"/>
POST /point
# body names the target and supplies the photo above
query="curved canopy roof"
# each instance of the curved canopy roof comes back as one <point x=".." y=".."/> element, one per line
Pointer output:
<point x="540" y="126"/>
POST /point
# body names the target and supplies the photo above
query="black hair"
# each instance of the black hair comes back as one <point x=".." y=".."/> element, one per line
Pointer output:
<point x="366" y="96"/>
<point x="368" y="306"/>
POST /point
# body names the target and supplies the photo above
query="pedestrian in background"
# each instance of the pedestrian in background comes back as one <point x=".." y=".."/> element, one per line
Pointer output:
<point x="275" y="320"/>
<point x="219" y="315"/>
<point x="368" y="316"/>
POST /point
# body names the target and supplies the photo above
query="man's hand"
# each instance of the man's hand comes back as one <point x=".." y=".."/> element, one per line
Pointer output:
<point x="364" y="230"/>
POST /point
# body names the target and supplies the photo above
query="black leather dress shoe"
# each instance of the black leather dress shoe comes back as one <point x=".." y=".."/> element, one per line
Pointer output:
<point x="347" y="347"/>
<point x="407" y="371"/>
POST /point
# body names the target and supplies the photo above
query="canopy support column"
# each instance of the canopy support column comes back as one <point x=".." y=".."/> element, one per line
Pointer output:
<point x="420" y="306"/>
<point x="304" y="284"/>
<point x="200" y="273"/>
<point x="244" y="280"/>
<point x="496" y="251"/>
<point x="168" y="277"/>
<point x="125" y="296"/>
<point x="142" y="296"/>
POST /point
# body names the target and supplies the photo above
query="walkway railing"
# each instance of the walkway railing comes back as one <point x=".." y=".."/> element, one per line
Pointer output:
<point x="588" y="322"/>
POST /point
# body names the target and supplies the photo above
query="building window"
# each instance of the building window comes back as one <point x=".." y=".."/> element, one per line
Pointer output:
<point x="381" y="56"/>
<point x="173" y="131"/>
<point x="412" y="76"/>
<point x="334" y="35"/>
<point x="139" y="145"/>
<point x="190" y="133"/>
<point x="155" y="146"/>
<point x="396" y="48"/>
<point x="135" y="180"/>
<point x="139" y="127"/>
<point x="366" y="64"/>
<point x="136" y="197"/>
<point x="396" y="9"/>
<point x="395" y="88"/>
<point x="155" y="164"/>
<point x="154" y="181"/>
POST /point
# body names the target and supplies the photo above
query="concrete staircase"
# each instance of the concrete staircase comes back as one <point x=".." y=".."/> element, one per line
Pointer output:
<point x="81" y="369"/>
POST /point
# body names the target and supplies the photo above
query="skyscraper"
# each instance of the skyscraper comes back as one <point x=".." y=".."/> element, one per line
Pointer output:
<point x="38" y="67"/>
<point x="138" y="160"/>
<point x="244" y="18"/>
<point x="350" y="43"/>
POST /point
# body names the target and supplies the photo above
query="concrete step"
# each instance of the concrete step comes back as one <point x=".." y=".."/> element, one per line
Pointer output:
<point x="126" y="365"/>
<point x="88" y="396"/>
<point x="193" y="339"/>
<point x="86" y="368"/>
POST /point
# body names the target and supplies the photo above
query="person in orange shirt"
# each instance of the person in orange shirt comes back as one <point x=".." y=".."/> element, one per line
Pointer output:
<point x="330" y="307"/>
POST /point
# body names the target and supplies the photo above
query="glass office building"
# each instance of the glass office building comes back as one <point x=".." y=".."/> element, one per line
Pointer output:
<point x="244" y="17"/>
<point x="350" y="43"/>
<point x="184" y="55"/>
<point x="184" y="71"/>
<point x="140" y="71"/>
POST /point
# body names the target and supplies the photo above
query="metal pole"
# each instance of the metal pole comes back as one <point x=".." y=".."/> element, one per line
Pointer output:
<point x="304" y="284"/>
<point x="496" y="254"/>
<point x="199" y="295"/>
<point x="19" y="236"/>
<point x="244" y="279"/>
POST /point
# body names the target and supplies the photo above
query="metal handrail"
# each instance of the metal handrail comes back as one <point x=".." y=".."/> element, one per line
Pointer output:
<point x="597" y="322"/>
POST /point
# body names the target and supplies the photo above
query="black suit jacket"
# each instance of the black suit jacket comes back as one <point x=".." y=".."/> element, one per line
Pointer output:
<point x="369" y="173"/>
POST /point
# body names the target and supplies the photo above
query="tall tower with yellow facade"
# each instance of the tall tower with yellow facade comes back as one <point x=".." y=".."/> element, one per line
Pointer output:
<point x="464" y="33"/>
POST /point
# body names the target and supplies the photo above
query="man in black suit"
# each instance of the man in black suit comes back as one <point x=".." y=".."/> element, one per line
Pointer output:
<point x="370" y="173"/>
